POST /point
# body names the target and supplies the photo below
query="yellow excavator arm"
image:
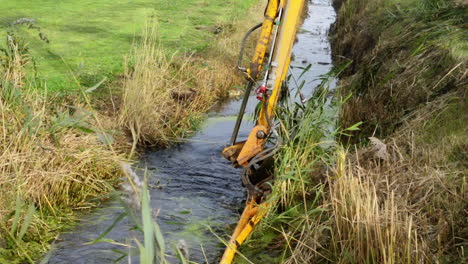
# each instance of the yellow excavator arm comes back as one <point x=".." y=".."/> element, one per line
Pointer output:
<point x="278" y="33"/>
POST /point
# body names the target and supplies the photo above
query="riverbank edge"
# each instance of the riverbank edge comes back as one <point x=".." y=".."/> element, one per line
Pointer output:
<point x="393" y="189"/>
<point x="407" y="84"/>
<point x="92" y="139"/>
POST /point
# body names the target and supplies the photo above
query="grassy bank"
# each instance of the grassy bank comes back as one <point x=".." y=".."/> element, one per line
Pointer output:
<point x="54" y="159"/>
<point x="410" y="60"/>
<point x="91" y="37"/>
<point x="396" y="193"/>
<point x="62" y="137"/>
<point x="412" y="53"/>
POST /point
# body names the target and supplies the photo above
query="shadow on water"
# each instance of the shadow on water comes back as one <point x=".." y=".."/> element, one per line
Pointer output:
<point x="193" y="187"/>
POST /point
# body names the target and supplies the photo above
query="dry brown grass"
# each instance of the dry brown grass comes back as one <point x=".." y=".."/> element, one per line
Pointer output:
<point x="45" y="154"/>
<point x="356" y="225"/>
<point x="52" y="156"/>
<point x="164" y="95"/>
<point x="402" y="201"/>
<point x="158" y="103"/>
<point x="370" y="221"/>
<point x="63" y="169"/>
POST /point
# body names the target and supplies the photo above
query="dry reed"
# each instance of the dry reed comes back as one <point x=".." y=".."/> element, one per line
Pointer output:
<point x="408" y="207"/>
<point x="51" y="156"/>
<point x="165" y="95"/>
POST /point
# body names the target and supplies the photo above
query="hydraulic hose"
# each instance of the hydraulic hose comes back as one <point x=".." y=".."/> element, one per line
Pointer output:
<point x="244" y="43"/>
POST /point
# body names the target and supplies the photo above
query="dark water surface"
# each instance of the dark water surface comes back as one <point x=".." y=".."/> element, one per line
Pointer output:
<point x="198" y="188"/>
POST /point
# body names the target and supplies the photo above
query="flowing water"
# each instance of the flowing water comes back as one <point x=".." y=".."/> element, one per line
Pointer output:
<point x="196" y="192"/>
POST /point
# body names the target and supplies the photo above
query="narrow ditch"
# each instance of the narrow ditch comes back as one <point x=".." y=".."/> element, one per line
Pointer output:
<point x="192" y="186"/>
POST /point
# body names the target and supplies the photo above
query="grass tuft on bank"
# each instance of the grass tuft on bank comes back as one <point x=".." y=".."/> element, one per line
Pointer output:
<point x="165" y="95"/>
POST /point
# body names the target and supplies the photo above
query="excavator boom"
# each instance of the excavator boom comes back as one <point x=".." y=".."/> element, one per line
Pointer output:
<point x="279" y="28"/>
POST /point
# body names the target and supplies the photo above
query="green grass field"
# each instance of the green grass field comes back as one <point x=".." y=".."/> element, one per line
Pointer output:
<point x="91" y="37"/>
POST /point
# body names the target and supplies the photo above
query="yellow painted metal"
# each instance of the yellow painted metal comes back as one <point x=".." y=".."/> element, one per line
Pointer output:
<point x="264" y="39"/>
<point x="251" y="216"/>
<point x="282" y="57"/>
<point x="290" y="22"/>
<point x="292" y="10"/>
<point x="232" y="152"/>
<point x="253" y="145"/>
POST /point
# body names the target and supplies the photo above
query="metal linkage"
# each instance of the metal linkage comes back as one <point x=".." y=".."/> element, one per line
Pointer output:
<point x="255" y="153"/>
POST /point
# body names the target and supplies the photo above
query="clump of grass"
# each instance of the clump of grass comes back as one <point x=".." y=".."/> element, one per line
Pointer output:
<point x="409" y="207"/>
<point x="157" y="103"/>
<point x="349" y="220"/>
<point x="165" y="95"/>
<point x="51" y="157"/>
<point x="368" y="223"/>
